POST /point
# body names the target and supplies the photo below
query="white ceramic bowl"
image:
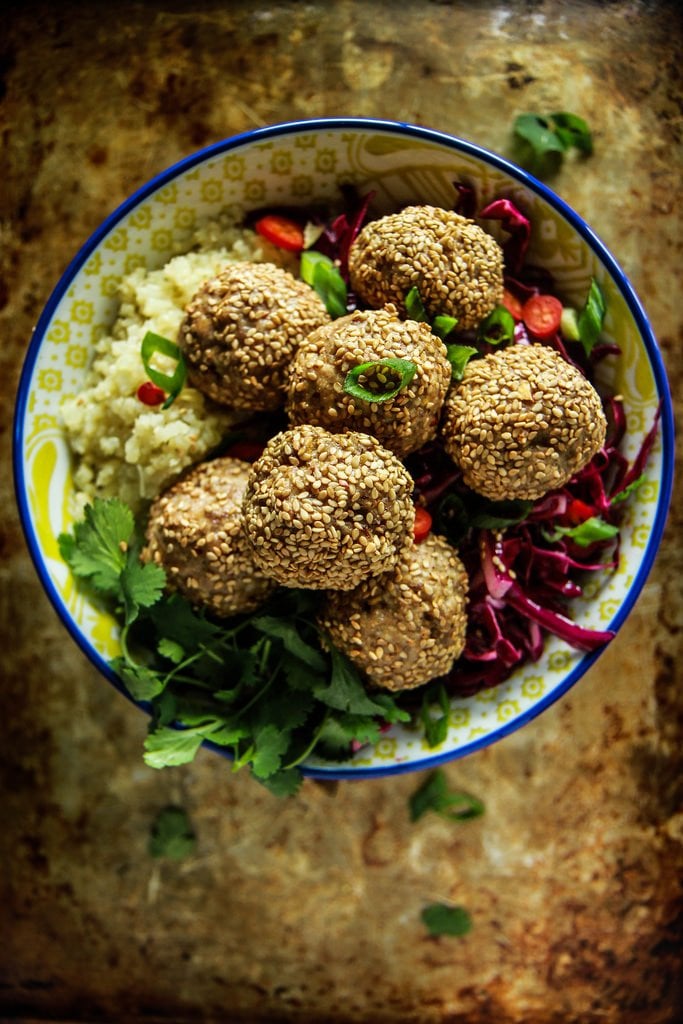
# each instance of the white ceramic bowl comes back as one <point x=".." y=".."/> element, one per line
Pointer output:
<point x="299" y="164"/>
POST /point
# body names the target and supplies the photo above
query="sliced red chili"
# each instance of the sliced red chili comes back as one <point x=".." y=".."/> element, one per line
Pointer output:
<point x="578" y="512"/>
<point x="281" y="231"/>
<point x="542" y="315"/>
<point x="423" y="523"/>
<point x="151" y="394"/>
<point x="512" y="304"/>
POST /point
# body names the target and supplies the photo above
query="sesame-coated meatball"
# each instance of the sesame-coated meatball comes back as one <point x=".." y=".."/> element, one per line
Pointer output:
<point x="241" y="330"/>
<point x="327" y="510"/>
<point x="522" y="422"/>
<point x="403" y="424"/>
<point x="456" y="266"/>
<point x="195" y="531"/>
<point x="408" y="626"/>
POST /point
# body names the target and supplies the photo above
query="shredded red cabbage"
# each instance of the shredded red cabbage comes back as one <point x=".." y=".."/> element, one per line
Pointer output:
<point x="521" y="578"/>
<point x="338" y="237"/>
<point x="518" y="227"/>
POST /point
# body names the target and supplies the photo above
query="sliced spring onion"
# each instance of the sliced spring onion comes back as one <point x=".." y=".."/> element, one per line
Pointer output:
<point x="172" y="384"/>
<point x="379" y="381"/>
<point x="572" y="130"/>
<point x="569" y="324"/>
<point x="415" y="306"/>
<point x="591" y="317"/>
<point x="442" y="325"/>
<point x="324" y="276"/>
<point x="498" y="326"/>
<point x="459" y="356"/>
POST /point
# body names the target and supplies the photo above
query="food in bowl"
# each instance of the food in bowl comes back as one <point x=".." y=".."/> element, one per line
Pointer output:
<point x="310" y="706"/>
<point x="329" y="505"/>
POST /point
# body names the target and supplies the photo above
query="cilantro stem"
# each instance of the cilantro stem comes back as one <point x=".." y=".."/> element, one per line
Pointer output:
<point x="311" y="746"/>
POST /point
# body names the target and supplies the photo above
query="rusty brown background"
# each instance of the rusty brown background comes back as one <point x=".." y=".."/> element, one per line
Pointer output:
<point x="308" y="910"/>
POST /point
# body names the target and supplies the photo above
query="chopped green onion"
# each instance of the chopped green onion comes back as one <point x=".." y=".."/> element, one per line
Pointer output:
<point x="379" y="381"/>
<point x="323" y="275"/>
<point x="591" y="317"/>
<point x="498" y="326"/>
<point x="569" y="324"/>
<point x="435" y="795"/>
<point x="443" y="325"/>
<point x="441" y="919"/>
<point x="415" y="306"/>
<point x="459" y="356"/>
<point x="173" y="384"/>
<point x="590" y="531"/>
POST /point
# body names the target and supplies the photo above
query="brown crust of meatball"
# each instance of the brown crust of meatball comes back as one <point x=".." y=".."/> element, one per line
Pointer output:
<point x="455" y="264"/>
<point x="241" y="330"/>
<point x="403" y="424"/>
<point x="327" y="510"/>
<point x="522" y="422"/>
<point x="408" y="626"/>
<point x="196" y="532"/>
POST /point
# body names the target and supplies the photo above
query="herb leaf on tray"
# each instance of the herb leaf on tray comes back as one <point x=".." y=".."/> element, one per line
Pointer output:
<point x="266" y="687"/>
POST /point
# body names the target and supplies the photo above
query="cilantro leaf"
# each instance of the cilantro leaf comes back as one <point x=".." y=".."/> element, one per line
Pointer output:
<point x="441" y="919"/>
<point x="283" y="783"/>
<point x="270" y="744"/>
<point x="141" y="682"/>
<point x="96" y="550"/>
<point x="435" y="795"/>
<point x="141" y="585"/>
<point x="291" y="639"/>
<point x="172" y="834"/>
<point x="165" y="747"/>
<point x="345" y="691"/>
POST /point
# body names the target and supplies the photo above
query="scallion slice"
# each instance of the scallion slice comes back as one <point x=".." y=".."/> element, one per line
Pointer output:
<point x="324" y="276"/>
<point x="591" y="317"/>
<point x="172" y="384"/>
<point x="459" y="356"/>
<point x="499" y="326"/>
<point x="379" y="381"/>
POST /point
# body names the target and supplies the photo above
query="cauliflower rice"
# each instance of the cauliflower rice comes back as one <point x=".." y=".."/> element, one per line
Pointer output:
<point x="124" y="448"/>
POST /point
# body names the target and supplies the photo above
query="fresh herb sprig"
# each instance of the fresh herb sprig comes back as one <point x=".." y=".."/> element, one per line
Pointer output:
<point x="265" y="687"/>
<point x="541" y="141"/>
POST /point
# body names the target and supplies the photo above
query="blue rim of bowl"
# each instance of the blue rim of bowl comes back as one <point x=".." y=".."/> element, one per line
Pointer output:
<point x="458" y="145"/>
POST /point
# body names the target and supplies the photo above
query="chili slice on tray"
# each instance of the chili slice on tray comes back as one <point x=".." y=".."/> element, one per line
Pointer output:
<point x="281" y="231"/>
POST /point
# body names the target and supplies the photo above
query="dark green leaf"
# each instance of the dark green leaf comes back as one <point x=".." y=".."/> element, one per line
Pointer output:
<point x="345" y="691"/>
<point x="97" y="548"/>
<point x="141" y="682"/>
<point x="283" y="783"/>
<point x="496" y="515"/>
<point x="292" y="640"/>
<point x="172" y="834"/>
<point x="441" y="919"/>
<point x="572" y="130"/>
<point x="435" y="795"/>
<point x="141" y="586"/>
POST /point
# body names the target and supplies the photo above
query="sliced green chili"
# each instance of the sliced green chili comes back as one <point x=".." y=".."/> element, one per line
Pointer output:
<point x="155" y="343"/>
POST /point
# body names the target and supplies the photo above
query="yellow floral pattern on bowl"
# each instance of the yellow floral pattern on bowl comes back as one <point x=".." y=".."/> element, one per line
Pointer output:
<point x="301" y="167"/>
